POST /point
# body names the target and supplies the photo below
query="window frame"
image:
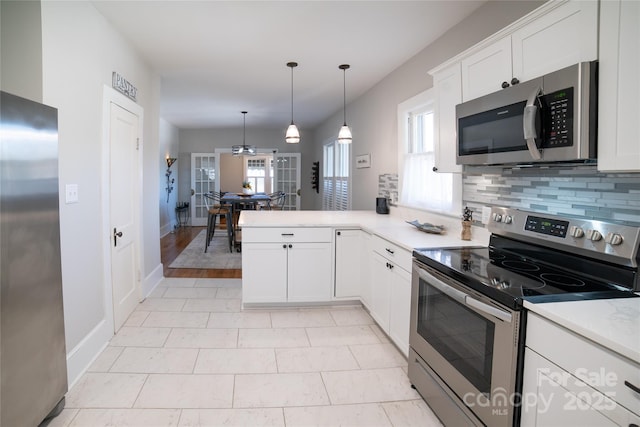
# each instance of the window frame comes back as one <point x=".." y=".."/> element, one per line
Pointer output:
<point x="335" y="147"/>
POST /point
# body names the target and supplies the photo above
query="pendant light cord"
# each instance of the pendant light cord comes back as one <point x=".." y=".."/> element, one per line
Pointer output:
<point x="244" y="129"/>
<point x="344" y="68"/>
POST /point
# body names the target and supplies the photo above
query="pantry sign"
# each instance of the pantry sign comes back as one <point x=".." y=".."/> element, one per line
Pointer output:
<point x="123" y="86"/>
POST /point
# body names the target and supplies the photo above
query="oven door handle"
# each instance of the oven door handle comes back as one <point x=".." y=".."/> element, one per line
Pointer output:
<point x="486" y="308"/>
<point x="462" y="297"/>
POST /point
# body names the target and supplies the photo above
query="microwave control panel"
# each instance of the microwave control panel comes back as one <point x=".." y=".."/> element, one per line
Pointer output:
<point x="557" y="122"/>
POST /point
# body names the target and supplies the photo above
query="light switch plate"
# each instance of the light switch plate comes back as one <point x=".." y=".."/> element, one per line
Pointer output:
<point x="486" y="214"/>
<point x="71" y="193"/>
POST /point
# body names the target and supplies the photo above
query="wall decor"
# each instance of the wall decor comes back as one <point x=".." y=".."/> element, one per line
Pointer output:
<point x="315" y="176"/>
<point x="363" y="161"/>
<point x="123" y="86"/>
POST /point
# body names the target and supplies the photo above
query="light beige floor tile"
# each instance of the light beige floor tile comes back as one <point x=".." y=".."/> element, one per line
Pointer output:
<point x="342" y="335"/>
<point x="256" y="319"/>
<point x="367" y="386"/>
<point x="136" y="318"/>
<point x="371" y="356"/>
<point x="158" y="292"/>
<point x="202" y="338"/>
<point x="64" y="418"/>
<point x="105" y="360"/>
<point x="380" y="333"/>
<point x="178" y="282"/>
<point x="368" y="415"/>
<point x="190" y="293"/>
<point x="186" y="391"/>
<point x="271" y="338"/>
<point x="156" y="360"/>
<point x="236" y="361"/>
<point x="271" y="417"/>
<point x="301" y="318"/>
<point x="351" y="316"/>
<point x="126" y="418"/>
<point x="176" y="320"/>
<point x="278" y="390"/>
<point x="105" y="390"/>
<point x="315" y="359"/>
<point x="140" y="337"/>
<point x="411" y="413"/>
<point x="214" y="305"/>
<point x="219" y="283"/>
<point x="161" y="304"/>
<point x="229" y="293"/>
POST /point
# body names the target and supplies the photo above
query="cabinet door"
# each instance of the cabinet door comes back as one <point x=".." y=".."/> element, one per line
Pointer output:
<point x="448" y="87"/>
<point x="264" y="272"/>
<point x="366" y="262"/>
<point x="484" y="71"/>
<point x="380" y="291"/>
<point x="400" y="308"/>
<point x="618" y="112"/>
<point x="565" y="36"/>
<point x="349" y="248"/>
<point x="310" y="272"/>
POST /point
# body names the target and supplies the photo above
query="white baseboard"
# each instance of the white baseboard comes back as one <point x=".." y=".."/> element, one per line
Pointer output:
<point x="82" y="356"/>
<point x="166" y="229"/>
<point x="152" y="280"/>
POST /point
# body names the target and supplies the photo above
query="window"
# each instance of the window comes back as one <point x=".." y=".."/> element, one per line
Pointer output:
<point x="259" y="175"/>
<point x="420" y="186"/>
<point x="335" y="185"/>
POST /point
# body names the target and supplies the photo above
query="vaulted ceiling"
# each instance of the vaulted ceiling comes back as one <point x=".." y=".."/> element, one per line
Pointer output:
<point x="217" y="58"/>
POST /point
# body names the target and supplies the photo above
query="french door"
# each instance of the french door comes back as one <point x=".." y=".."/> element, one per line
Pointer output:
<point x="204" y="179"/>
<point x="287" y="178"/>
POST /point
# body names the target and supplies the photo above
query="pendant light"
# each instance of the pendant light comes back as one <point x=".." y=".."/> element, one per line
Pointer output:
<point x="344" y="136"/>
<point x="292" y="136"/>
<point x="244" y="149"/>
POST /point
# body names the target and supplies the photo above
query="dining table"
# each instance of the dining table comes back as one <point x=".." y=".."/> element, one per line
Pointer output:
<point x="241" y="201"/>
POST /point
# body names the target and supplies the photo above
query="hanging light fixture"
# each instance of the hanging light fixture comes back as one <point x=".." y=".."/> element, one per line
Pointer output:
<point x="244" y="149"/>
<point x="344" y="136"/>
<point x="292" y="136"/>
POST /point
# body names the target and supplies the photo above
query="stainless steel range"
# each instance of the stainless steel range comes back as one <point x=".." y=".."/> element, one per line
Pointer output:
<point x="467" y="316"/>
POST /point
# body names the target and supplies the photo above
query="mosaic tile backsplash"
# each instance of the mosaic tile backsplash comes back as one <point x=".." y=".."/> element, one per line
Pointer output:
<point x="578" y="191"/>
<point x="388" y="187"/>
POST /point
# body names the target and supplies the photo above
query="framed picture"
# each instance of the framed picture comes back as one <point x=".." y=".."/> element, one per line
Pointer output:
<point x="363" y="161"/>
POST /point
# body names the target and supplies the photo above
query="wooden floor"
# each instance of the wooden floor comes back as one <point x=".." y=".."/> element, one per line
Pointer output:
<point x="173" y="243"/>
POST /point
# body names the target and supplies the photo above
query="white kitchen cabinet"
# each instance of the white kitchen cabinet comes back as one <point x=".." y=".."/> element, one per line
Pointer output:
<point x="557" y="36"/>
<point x="349" y="269"/>
<point x="618" y="112"/>
<point x="577" y="383"/>
<point x="391" y="291"/>
<point x="286" y="265"/>
<point x="448" y="93"/>
<point x="365" y="259"/>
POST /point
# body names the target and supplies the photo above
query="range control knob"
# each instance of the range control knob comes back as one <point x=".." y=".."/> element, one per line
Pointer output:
<point x="576" y="232"/>
<point x="614" y="239"/>
<point x="508" y="219"/>
<point x="497" y="217"/>
<point x="594" y="235"/>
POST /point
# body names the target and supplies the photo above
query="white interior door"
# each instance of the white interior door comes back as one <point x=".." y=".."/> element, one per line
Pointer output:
<point x="204" y="179"/>
<point x="287" y="178"/>
<point x="123" y="201"/>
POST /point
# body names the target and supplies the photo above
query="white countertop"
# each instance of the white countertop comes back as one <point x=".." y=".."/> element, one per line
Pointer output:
<point x="612" y="323"/>
<point x="390" y="227"/>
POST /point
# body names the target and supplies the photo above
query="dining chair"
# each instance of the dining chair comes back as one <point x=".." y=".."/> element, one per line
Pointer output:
<point x="278" y="200"/>
<point x="215" y="209"/>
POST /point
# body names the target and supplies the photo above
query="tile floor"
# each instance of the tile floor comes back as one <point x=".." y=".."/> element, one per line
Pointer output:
<point x="189" y="356"/>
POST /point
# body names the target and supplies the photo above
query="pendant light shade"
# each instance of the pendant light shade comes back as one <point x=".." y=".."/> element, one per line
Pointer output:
<point x="344" y="136"/>
<point x="293" y="135"/>
<point x="244" y="149"/>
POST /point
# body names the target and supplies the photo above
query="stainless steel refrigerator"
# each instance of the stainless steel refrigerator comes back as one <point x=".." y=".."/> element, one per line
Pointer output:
<point x="33" y="367"/>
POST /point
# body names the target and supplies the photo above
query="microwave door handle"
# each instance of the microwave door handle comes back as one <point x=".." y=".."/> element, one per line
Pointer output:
<point x="529" y="124"/>
<point x="486" y="308"/>
<point x="443" y="287"/>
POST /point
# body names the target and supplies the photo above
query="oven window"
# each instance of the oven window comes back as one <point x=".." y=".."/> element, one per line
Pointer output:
<point x="464" y="338"/>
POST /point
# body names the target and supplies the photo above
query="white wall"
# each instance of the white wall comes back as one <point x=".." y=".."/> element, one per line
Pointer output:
<point x="80" y="51"/>
<point x="373" y="116"/>
<point x="169" y="147"/>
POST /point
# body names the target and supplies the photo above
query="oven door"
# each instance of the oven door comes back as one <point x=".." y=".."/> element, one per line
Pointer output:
<point x="469" y="341"/>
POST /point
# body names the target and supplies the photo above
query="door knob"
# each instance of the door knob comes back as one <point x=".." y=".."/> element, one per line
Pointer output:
<point x="116" y="234"/>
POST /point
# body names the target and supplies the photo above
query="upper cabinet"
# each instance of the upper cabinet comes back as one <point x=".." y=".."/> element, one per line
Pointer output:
<point x="448" y="93"/>
<point x="618" y="112"/>
<point x="558" y="37"/>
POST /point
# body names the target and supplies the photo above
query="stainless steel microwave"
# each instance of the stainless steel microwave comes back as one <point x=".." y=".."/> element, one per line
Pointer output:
<point x="552" y="118"/>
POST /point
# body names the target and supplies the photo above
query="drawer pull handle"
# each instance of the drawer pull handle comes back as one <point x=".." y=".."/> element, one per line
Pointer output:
<point x="390" y="251"/>
<point x="287" y="234"/>
<point x="632" y="387"/>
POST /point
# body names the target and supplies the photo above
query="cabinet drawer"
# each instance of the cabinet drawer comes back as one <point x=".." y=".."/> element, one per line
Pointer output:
<point x="293" y="234"/>
<point x="597" y="366"/>
<point x="394" y="253"/>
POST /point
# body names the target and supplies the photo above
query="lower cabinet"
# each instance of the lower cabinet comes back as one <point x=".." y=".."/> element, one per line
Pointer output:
<point x="349" y="270"/>
<point x="296" y="267"/>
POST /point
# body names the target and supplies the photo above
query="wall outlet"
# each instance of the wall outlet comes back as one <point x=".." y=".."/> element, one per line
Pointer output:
<point x="486" y="214"/>
<point x="71" y="193"/>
